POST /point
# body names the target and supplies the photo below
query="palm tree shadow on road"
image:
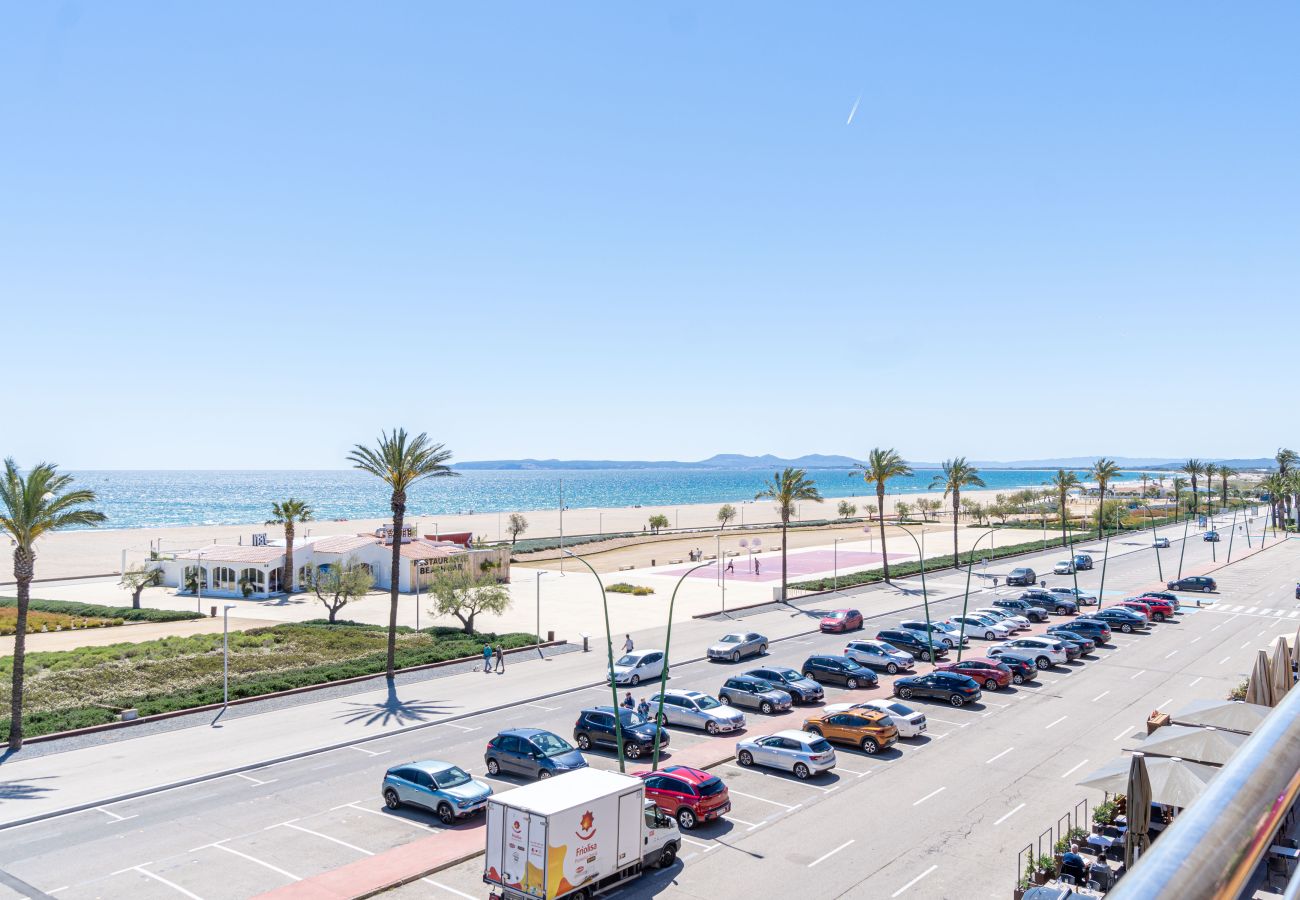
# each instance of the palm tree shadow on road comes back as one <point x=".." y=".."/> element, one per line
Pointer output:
<point x="393" y="711"/>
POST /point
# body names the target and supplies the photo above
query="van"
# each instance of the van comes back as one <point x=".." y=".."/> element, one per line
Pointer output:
<point x="1025" y="576"/>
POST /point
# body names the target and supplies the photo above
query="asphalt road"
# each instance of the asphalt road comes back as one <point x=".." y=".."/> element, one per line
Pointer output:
<point x="949" y="809"/>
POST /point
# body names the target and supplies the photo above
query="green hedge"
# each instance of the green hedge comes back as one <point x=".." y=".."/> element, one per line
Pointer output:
<point x="95" y="610"/>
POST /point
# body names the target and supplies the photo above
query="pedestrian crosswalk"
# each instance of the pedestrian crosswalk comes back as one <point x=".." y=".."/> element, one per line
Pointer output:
<point x="1264" y="611"/>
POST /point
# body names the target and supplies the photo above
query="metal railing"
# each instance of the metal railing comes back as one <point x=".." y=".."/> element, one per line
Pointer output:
<point x="1213" y="847"/>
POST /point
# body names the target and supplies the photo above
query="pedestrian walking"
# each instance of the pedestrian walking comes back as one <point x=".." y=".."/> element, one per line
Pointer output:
<point x="627" y="644"/>
<point x="628" y="702"/>
<point x="501" y="660"/>
<point x="487" y="659"/>
<point x="731" y="566"/>
<point x="755" y="565"/>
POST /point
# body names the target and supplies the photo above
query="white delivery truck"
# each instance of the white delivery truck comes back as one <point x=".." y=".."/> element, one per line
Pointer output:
<point x="573" y="835"/>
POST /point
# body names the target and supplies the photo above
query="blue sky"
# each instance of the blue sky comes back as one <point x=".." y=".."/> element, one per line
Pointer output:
<point x="594" y="230"/>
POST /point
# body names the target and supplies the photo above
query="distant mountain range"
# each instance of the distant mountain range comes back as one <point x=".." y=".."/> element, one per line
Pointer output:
<point x="831" y="461"/>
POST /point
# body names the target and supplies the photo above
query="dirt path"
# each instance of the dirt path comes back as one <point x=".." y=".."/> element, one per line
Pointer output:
<point x="123" y="634"/>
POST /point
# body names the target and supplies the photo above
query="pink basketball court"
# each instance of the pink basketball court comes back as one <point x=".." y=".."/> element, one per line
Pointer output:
<point x="798" y="563"/>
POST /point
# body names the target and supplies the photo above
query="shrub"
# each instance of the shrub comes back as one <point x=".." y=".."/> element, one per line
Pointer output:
<point x="636" y="590"/>
<point x="96" y="611"/>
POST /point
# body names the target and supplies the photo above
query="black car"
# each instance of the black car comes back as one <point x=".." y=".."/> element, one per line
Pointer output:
<point x="1063" y="606"/>
<point x="910" y="643"/>
<point x="840" y="670"/>
<point x="1024" y="608"/>
<point x="595" y="726"/>
<point x="1022" y="667"/>
<point x="1120" y="619"/>
<point x="1095" y="630"/>
<point x="1023" y="576"/>
<point x="949" y="686"/>
<point x="1194" y="583"/>
<point x="801" y="689"/>
<point x="1065" y="633"/>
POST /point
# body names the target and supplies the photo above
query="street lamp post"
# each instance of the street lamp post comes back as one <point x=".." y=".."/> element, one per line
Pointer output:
<point x="925" y="596"/>
<point x="1183" y="549"/>
<point x="663" y="678"/>
<point x="225" y="660"/>
<point x="540" y="573"/>
<point x="609" y="646"/>
<point x="1232" y="531"/>
<point x="722" y="576"/>
<point x="970" y="563"/>
<point x="835" y="557"/>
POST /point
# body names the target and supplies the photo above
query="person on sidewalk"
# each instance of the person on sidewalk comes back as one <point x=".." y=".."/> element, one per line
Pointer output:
<point x="627" y="644"/>
<point x="501" y="660"/>
<point x="487" y="659"/>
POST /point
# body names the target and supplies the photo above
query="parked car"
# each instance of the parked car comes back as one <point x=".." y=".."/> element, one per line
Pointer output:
<point x="1022" y="608"/>
<point x="1052" y="602"/>
<point x="1194" y="583"/>
<point x="869" y="730"/>
<point x="908" y="721"/>
<point x="596" y="727"/>
<point x="1006" y="617"/>
<point x="1162" y="543"/>
<point x="1159" y="610"/>
<point x="1022" y="667"/>
<point x="935" y="630"/>
<point x="800" y="688"/>
<point x="951" y="687"/>
<point x="910" y="643"/>
<point x="755" y="693"/>
<point x="841" y="620"/>
<point x="1120" y="619"/>
<point x="695" y="709"/>
<point x="1045" y="651"/>
<point x="737" y="644"/>
<point x="1140" y="608"/>
<point x="880" y="655"/>
<point x="799" y="752"/>
<point x="1082" y="561"/>
<point x="1095" y="630"/>
<point x="691" y="796"/>
<point x="531" y="752"/>
<point x="839" y="670"/>
<point x="437" y="786"/>
<point x="1078" y="595"/>
<point x="1024" y="576"/>
<point x="1168" y="597"/>
<point x="638" y="666"/>
<point x="990" y="673"/>
<point x="1211" y="536"/>
<point x="1085" y="644"/>
<point x="983" y="626"/>
<point x="1064" y="567"/>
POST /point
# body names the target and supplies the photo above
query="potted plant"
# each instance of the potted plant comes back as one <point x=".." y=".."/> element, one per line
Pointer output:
<point x="1044" y="868"/>
<point x="246" y="586"/>
<point x="1021" y="886"/>
<point x="1077" y="835"/>
<point x="1121" y="805"/>
<point x="1058" y="850"/>
<point x="1102" y="815"/>
<point x="1239" y="692"/>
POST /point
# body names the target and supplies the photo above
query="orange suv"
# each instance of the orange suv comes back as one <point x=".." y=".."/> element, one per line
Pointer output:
<point x="869" y="730"/>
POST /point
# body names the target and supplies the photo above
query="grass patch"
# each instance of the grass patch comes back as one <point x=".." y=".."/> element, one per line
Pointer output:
<point x="43" y="621"/>
<point x="96" y="611"/>
<point x="636" y="590"/>
<point x="87" y="686"/>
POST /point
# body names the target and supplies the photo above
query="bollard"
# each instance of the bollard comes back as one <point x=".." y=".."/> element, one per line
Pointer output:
<point x="550" y="637"/>
<point x="213" y="614"/>
<point x="652" y="562"/>
<point x="586" y="644"/>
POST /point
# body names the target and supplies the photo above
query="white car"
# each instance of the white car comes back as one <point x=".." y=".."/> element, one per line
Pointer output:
<point x="638" y="666"/>
<point x="1045" y="651"/>
<point x="934" y="630"/>
<point x="1064" y="567"/>
<point x="799" y="752"/>
<point x="697" y="710"/>
<point x="982" y="626"/>
<point x="1162" y="543"/>
<point x="909" y="722"/>
<point x="1012" y="621"/>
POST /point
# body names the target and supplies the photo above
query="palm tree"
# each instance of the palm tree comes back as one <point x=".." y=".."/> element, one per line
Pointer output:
<point x="289" y="513"/>
<point x="787" y="488"/>
<point x="1180" y="484"/>
<point x="1210" y="471"/>
<point x="957" y="474"/>
<point x="30" y="508"/>
<point x="881" y="466"/>
<point x="1226" y="472"/>
<point x="1194" y="469"/>
<point x="1103" y="471"/>
<point x="1062" y="483"/>
<point x="400" y="463"/>
<point x="1286" y="463"/>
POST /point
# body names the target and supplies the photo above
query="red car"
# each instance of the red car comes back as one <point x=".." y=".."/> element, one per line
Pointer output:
<point x="690" y="795"/>
<point x="1139" y="608"/>
<point x="1161" y="609"/>
<point x="990" y="673"/>
<point x="842" y="620"/>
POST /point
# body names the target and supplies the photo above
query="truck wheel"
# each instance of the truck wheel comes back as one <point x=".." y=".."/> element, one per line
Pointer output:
<point x="667" y="856"/>
<point x="685" y="818"/>
<point x="445" y="814"/>
<point x="801" y="771"/>
<point x="745" y="758"/>
<point x="391" y="800"/>
<point x="892" y="668"/>
<point x="584" y="742"/>
<point x="493" y="767"/>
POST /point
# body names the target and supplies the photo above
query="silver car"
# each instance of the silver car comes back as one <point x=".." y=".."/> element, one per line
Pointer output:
<point x="983" y="626"/>
<point x="695" y="709"/>
<point x="738" y="644"/>
<point x="879" y="655"/>
<point x="799" y="752"/>
<point x="1014" y="622"/>
<point x="940" y="634"/>
<point x="744" y="690"/>
<point x="1078" y="595"/>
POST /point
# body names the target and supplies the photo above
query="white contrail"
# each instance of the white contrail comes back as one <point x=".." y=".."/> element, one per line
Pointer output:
<point x="854" y="111"/>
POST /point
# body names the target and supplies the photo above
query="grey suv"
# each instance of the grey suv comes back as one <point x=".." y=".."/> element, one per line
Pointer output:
<point x="1023" y="576"/>
<point x="744" y="690"/>
<point x="531" y="752"/>
<point x="1022" y="608"/>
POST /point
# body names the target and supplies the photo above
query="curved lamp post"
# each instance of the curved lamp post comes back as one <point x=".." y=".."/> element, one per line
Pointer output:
<point x="609" y="645"/>
<point x="1183" y="549"/>
<point x="970" y="563"/>
<point x="663" y="678"/>
<point x="925" y="596"/>
<point x="1105" y="558"/>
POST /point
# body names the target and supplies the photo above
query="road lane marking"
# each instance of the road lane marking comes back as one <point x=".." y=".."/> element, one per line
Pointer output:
<point x="326" y="837"/>
<point x="929" y="795"/>
<point x="1010" y="814"/>
<point x="1196" y="679"/>
<point x="1122" y="733"/>
<point x="1073" y="768"/>
<point x="450" y="890"/>
<point x="1099" y="696"/>
<point x="1224" y="660"/>
<point x="1253" y="609"/>
<point x="1057" y="722"/>
<point x="256" y="781"/>
<point x="827" y="856"/>
<point x="999" y="756"/>
<point x="1136" y="674"/>
<point x="116" y="817"/>
<point x="1247" y="644"/>
<point x="540" y="706"/>
<point x="1170" y="653"/>
<point x="1166" y="703"/>
<point x="1195" y="639"/>
<point x="390" y="817"/>
<point x="253" y="859"/>
<point x="764" y="799"/>
<point x="913" y="881"/>
<point x="368" y="752"/>
<point x="170" y="884"/>
<point x="461" y="727"/>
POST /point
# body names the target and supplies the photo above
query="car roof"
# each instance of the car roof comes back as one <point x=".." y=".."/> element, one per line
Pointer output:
<point x="979" y="661"/>
<point x="432" y="766"/>
<point x="525" y="732"/>
<point x="687" y="773"/>
<point x="795" y="734"/>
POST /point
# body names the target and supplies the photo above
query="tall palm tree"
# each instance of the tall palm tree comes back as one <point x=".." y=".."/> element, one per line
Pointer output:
<point x="1062" y="483"/>
<point x="787" y="488"/>
<point x="30" y="508"/>
<point x="1145" y="479"/>
<point x="1286" y="460"/>
<point x="400" y="463"/>
<point x="957" y="474"/>
<point x="1194" y="469"/>
<point x="1226" y="472"/>
<point x="1180" y="485"/>
<point x="1103" y="471"/>
<point x="289" y="513"/>
<point x="1210" y="471"/>
<point x="881" y="466"/>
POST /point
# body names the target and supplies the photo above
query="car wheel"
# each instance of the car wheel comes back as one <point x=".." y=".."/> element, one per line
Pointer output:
<point x="632" y="750"/>
<point x="1126" y="628"/>
<point x="851" y="683"/>
<point x="391" y="800"/>
<point x="445" y="814"/>
<point x="1061" y="610"/>
<point x="1043" y="662"/>
<point x="745" y="758"/>
<point x="904" y="693"/>
<point x="956" y="700"/>
<point x="930" y="656"/>
<point x="494" y="768"/>
<point x="663" y="720"/>
<point x="1159" y="617"/>
<point x="810" y="675"/>
<point x="543" y="774"/>
<point x="584" y="742"/>
<point x="711" y="727"/>
<point x="724" y="699"/>
<point x="685" y="819"/>
<point x="765" y="708"/>
<point x="869" y="746"/>
<point x="735" y="656"/>
<point x="801" y="771"/>
<point x="892" y="668"/>
<point x="1017" y="679"/>
<point x="990" y="685"/>
<point x="636" y="680"/>
<point x="813" y="729"/>
<point x="667" y="855"/>
<point x="988" y="636"/>
<point x="762" y="649"/>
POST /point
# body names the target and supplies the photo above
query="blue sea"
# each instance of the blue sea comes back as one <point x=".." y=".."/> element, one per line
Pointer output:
<point x="134" y="499"/>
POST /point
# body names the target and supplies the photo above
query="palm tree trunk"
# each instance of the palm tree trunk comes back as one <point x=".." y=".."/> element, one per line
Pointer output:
<point x="880" y="502"/>
<point x="784" y="521"/>
<point x="287" y="581"/>
<point x="24" y="569"/>
<point x="1064" y="539"/>
<point x="1195" y="498"/>
<point x="956" y="507"/>
<point x="1101" y="503"/>
<point x="399" y="513"/>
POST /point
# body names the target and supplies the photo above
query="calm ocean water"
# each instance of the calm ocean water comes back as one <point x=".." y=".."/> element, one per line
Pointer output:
<point x="133" y="499"/>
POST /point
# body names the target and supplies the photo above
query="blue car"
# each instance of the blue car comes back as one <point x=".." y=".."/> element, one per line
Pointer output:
<point x="439" y="787"/>
<point x="531" y="752"/>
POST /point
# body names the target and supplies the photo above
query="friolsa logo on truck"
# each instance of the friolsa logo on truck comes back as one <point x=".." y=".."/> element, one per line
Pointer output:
<point x="586" y="828"/>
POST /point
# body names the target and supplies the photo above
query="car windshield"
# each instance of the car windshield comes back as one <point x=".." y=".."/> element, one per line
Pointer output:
<point x="631" y="719"/>
<point x="707" y="703"/>
<point x="450" y="778"/>
<point x="786" y="674"/>
<point x="628" y="660"/>
<point x="551" y="744"/>
<point x="898" y="709"/>
<point x="711" y="787"/>
<point x="839" y="614"/>
<point x="730" y="639"/>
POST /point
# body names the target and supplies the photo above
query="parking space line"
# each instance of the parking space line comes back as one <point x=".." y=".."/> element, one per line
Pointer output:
<point x="368" y="752"/>
<point x="1166" y="703"/>
<point x="1099" y="696"/>
<point x="827" y="856"/>
<point x="764" y="799"/>
<point x="1073" y="768"/>
<point x="256" y="781"/>
<point x="461" y="727"/>
<point x="946" y="721"/>
<point x="450" y="890"/>
<point x="326" y="837"/>
<point x="999" y="756"/>
<point x="1196" y="679"/>
<point x="161" y="880"/>
<point x="1226" y="658"/>
<point x="707" y="847"/>
<point x="929" y="795"/>
<point x="1137" y="673"/>
<point x="1195" y="639"/>
<point x="731" y="818"/>
<point x="115" y="816"/>
<point x="1010" y="814"/>
<point x="132" y="868"/>
<point x="390" y="817"/>
<point x="1057" y="722"/>
<point x="253" y="859"/>
<point x="1170" y="653"/>
<point x="540" y="706"/>
<point x="913" y="881"/>
<point x="778" y="777"/>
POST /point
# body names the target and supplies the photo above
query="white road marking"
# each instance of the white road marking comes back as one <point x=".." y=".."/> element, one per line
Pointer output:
<point x="1170" y="653"/>
<point x="764" y="799"/>
<point x="1247" y="644"/>
<point x="730" y="818"/>
<point x="1010" y="814"/>
<point x="1066" y="774"/>
<point x="1293" y="613"/>
<point x="827" y="856"/>
<point x="160" y="879"/>
<point x="1253" y="609"/>
<point x="1057" y="722"/>
<point x="326" y="837"/>
<point x="115" y="816"/>
<point x="1224" y="660"/>
<point x="257" y="781"/>
<point x="132" y="868"/>
<point x="390" y="817"/>
<point x="461" y="727"/>
<point x="1122" y="734"/>
<point x="946" y="721"/>
<point x="1166" y="703"/>
<point x="450" y="890"/>
<point x="539" y="706"/>
<point x="706" y="847"/>
<point x="1195" y="639"/>
<point x="929" y="795"/>
<point x="368" y="752"/>
<point x="913" y="881"/>
<point x="1099" y="696"/>
<point x="253" y="859"/>
<point x="999" y="756"/>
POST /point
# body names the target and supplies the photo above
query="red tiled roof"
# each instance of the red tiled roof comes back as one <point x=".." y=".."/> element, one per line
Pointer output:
<point x="227" y="553"/>
<point x="419" y="549"/>
<point x="343" y="543"/>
